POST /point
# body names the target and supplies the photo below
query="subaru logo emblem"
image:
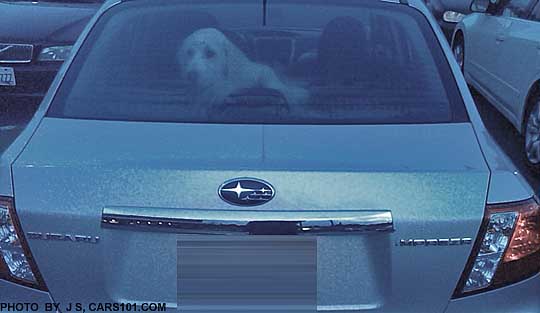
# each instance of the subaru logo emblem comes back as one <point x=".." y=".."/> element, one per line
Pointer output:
<point x="246" y="191"/>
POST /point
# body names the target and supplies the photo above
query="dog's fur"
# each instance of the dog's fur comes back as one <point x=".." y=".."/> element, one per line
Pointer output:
<point x="215" y="68"/>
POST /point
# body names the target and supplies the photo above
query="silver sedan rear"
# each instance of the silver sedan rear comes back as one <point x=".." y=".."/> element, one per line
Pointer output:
<point x="265" y="156"/>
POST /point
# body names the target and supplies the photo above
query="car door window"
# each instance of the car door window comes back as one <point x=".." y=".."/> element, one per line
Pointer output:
<point x="516" y="8"/>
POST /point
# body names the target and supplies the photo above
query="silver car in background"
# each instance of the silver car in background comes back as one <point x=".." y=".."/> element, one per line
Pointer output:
<point x="381" y="192"/>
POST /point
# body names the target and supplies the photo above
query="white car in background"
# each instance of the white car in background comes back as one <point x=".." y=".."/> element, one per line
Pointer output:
<point x="498" y="49"/>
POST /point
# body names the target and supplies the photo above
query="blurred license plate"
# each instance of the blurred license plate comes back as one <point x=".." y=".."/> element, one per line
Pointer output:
<point x="7" y="76"/>
<point x="221" y="274"/>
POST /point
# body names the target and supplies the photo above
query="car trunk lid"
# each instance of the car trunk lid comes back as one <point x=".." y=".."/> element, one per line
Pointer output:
<point x="431" y="178"/>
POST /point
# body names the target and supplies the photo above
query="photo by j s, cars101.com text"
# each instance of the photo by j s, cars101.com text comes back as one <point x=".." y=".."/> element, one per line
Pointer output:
<point x="276" y="156"/>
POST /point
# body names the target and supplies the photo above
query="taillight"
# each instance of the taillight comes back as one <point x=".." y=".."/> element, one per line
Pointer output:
<point x="16" y="262"/>
<point x="507" y="249"/>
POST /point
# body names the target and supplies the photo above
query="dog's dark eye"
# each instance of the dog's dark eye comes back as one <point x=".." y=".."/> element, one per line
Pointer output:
<point x="210" y="53"/>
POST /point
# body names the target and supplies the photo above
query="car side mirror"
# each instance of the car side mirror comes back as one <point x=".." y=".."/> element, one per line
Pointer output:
<point x="479" y="6"/>
<point x="484" y="6"/>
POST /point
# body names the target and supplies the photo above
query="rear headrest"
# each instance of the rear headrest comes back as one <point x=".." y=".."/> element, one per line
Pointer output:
<point x="343" y="49"/>
<point x="194" y="20"/>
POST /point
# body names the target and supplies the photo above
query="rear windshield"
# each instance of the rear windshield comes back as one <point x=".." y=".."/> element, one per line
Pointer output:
<point x="295" y="62"/>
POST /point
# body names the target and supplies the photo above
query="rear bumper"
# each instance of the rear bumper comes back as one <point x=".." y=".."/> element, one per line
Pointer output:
<point x="517" y="298"/>
<point x="520" y="297"/>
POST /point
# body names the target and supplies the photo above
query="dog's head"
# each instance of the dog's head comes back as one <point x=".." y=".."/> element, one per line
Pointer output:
<point x="204" y="58"/>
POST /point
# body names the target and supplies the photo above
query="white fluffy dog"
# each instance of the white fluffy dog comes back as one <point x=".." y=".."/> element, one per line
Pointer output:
<point x="215" y="68"/>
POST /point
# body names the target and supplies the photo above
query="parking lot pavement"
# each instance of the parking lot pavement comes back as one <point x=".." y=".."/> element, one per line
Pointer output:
<point x="507" y="137"/>
<point x="16" y="111"/>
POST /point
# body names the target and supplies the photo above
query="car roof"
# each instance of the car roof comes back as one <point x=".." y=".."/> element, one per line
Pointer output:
<point x="413" y="3"/>
<point x="417" y="4"/>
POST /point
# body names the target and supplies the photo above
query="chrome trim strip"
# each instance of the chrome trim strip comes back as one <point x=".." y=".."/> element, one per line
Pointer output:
<point x="18" y="61"/>
<point x="348" y="307"/>
<point x="249" y="222"/>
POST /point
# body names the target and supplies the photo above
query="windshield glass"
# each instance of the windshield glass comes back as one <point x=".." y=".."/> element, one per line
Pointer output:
<point x="303" y="62"/>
